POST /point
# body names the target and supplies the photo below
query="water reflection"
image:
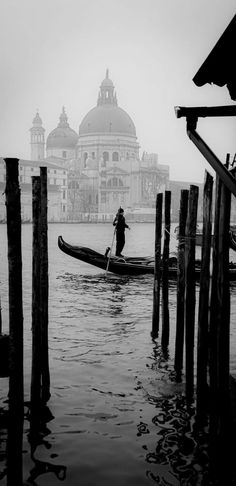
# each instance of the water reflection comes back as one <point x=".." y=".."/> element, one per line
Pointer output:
<point x="160" y="357"/>
<point x="3" y="441"/>
<point x="38" y="435"/>
<point x="180" y="454"/>
<point x="111" y="296"/>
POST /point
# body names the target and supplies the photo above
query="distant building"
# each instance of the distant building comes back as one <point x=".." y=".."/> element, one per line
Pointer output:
<point x="103" y="163"/>
<point x="57" y="189"/>
<point x="92" y="173"/>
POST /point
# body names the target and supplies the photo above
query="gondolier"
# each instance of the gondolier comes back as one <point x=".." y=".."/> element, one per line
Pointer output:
<point x="120" y="224"/>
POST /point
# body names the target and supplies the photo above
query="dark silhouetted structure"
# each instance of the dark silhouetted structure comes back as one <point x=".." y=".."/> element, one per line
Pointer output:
<point x="219" y="66"/>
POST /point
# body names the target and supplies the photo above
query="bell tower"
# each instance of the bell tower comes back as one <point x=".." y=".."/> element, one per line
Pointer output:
<point x="37" y="141"/>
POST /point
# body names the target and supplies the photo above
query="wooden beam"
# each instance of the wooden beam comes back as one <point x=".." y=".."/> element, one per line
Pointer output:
<point x="205" y="111"/>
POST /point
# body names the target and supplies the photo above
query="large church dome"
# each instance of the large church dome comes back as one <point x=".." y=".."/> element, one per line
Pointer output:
<point x="107" y="117"/>
<point x="63" y="136"/>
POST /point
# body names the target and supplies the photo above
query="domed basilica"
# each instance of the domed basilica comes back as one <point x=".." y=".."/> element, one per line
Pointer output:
<point x="102" y="160"/>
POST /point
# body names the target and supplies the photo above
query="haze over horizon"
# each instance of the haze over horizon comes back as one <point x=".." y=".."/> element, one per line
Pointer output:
<point x="55" y="53"/>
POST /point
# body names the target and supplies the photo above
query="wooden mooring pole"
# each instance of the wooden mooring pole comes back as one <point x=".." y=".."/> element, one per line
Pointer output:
<point x="203" y="313"/>
<point x="165" y="277"/>
<point x="220" y="425"/>
<point x="157" y="268"/>
<point x="16" y="385"/>
<point x="36" y="324"/>
<point x="190" y="298"/>
<point x="44" y="285"/>
<point x="40" y="377"/>
<point x="0" y="316"/>
<point x="214" y="313"/>
<point x="180" y="310"/>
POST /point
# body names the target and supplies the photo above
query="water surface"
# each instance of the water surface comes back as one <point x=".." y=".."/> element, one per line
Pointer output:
<point x="118" y="417"/>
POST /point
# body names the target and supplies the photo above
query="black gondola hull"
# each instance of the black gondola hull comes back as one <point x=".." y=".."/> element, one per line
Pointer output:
<point x="125" y="266"/>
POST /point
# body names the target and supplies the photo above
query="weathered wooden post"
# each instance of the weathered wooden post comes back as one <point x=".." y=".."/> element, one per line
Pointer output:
<point x="44" y="285"/>
<point x="16" y="382"/>
<point x="36" y="323"/>
<point x="214" y="315"/>
<point x="223" y="336"/>
<point x="203" y="314"/>
<point x="190" y="289"/>
<point x="0" y="316"/>
<point x="220" y="441"/>
<point x="165" y="274"/>
<point x="180" y="311"/>
<point x="157" y="268"/>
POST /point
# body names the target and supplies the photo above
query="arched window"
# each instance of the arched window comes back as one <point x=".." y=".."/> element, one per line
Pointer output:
<point x="115" y="156"/>
<point x="85" y="158"/>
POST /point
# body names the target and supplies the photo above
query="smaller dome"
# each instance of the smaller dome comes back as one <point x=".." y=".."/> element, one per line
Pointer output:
<point x="63" y="136"/>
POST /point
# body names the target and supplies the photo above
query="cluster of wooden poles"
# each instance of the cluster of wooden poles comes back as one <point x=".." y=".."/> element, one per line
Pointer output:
<point x="212" y="388"/>
<point x="40" y="378"/>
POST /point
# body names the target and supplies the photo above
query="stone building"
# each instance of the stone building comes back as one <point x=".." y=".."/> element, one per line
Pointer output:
<point x="57" y="189"/>
<point x="105" y="170"/>
<point x="97" y="170"/>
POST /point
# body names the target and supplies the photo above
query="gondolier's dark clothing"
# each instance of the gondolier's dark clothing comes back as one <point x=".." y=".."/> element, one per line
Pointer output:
<point x="120" y="224"/>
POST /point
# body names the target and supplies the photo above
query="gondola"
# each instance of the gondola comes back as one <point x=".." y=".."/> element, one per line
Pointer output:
<point x="126" y="265"/>
<point x="199" y="237"/>
<point x="118" y="265"/>
<point x="232" y="238"/>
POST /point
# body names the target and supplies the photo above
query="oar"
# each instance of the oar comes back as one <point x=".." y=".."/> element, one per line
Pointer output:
<point x="108" y="261"/>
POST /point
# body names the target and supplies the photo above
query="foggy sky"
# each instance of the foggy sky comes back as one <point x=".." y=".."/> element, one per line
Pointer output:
<point x="56" y="52"/>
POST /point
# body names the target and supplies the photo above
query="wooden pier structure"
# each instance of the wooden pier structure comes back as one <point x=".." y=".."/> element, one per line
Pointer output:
<point x="206" y="372"/>
<point x="207" y="380"/>
<point x="11" y="361"/>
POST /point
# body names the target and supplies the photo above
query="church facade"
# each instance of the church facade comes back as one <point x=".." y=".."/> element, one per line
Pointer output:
<point x="95" y="171"/>
<point x="104" y="169"/>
